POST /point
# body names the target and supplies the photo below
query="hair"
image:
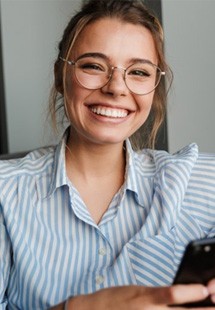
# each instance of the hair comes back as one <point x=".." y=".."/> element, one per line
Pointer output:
<point x="128" y="11"/>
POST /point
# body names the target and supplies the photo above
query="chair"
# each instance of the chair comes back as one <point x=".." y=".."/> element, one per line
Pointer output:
<point x="12" y="155"/>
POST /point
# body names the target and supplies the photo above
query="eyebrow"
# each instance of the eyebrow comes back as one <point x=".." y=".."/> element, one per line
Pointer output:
<point x="134" y="60"/>
<point x="94" y="55"/>
<point x="103" y="56"/>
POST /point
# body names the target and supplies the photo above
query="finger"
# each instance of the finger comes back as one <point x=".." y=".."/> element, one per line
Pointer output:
<point x="213" y="299"/>
<point x="179" y="294"/>
<point x="211" y="287"/>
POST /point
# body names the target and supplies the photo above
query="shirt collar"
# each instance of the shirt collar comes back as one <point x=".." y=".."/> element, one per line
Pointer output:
<point x="139" y="165"/>
<point x="58" y="176"/>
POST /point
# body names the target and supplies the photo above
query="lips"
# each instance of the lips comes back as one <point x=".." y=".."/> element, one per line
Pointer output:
<point x="109" y="112"/>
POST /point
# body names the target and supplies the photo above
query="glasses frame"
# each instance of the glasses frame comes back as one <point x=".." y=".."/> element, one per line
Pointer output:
<point x="112" y="68"/>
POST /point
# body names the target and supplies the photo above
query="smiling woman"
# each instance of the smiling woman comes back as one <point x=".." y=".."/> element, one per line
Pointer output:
<point x="92" y="223"/>
<point x="147" y="133"/>
<point x="89" y="85"/>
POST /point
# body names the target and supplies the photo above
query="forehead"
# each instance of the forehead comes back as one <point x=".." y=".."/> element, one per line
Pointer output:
<point x="116" y="39"/>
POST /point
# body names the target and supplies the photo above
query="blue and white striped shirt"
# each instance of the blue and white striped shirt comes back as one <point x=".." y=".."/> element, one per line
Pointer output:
<point x="50" y="248"/>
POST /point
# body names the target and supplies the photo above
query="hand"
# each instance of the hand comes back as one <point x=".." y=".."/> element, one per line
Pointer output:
<point x="140" y="297"/>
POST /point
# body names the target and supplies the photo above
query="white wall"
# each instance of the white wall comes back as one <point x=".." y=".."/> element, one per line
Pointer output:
<point x="190" y="49"/>
<point x="31" y="30"/>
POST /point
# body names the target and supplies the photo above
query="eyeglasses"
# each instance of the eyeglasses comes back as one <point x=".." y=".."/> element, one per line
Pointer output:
<point x="141" y="78"/>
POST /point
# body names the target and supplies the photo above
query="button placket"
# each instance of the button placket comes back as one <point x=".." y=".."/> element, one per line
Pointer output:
<point x="102" y="251"/>
<point x="99" y="279"/>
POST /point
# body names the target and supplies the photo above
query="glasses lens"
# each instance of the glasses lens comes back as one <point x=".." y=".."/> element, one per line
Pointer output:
<point x="142" y="78"/>
<point x="92" y="72"/>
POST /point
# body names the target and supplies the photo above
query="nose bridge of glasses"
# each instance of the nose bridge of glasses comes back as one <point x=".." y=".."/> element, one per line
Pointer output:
<point x="118" y="68"/>
<point x="113" y="68"/>
<point x="117" y="79"/>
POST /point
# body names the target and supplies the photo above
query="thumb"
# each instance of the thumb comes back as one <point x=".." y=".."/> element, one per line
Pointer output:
<point x="180" y="294"/>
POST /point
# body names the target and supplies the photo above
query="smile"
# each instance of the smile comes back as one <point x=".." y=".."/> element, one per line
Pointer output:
<point x="109" y="112"/>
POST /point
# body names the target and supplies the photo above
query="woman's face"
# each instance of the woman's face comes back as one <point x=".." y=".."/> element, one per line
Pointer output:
<point x="112" y="113"/>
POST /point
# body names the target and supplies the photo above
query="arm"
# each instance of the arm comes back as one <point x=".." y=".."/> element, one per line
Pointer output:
<point x="137" y="297"/>
<point x="5" y="261"/>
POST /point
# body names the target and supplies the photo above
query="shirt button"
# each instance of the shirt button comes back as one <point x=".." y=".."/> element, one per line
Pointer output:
<point x="99" y="280"/>
<point x="102" y="251"/>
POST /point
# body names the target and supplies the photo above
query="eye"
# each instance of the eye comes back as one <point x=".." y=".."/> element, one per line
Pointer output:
<point x="139" y="73"/>
<point x="91" y="67"/>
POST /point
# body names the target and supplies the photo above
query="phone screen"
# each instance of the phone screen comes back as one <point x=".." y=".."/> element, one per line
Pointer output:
<point x="197" y="266"/>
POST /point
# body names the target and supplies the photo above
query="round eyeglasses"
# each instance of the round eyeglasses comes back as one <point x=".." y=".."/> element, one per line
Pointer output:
<point x="141" y="78"/>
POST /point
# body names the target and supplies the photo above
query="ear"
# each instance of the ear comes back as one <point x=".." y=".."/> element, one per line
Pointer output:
<point x="58" y="78"/>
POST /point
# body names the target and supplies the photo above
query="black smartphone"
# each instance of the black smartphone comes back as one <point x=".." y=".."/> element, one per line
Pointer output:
<point x="197" y="266"/>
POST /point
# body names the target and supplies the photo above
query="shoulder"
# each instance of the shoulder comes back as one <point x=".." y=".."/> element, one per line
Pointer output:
<point x="186" y="171"/>
<point x="188" y="160"/>
<point x="162" y="161"/>
<point x="203" y="175"/>
<point x="24" y="175"/>
<point x="34" y="163"/>
<point x="206" y="161"/>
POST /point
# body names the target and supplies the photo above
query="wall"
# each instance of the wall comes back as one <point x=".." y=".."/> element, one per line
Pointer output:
<point x="30" y="33"/>
<point x="190" y="48"/>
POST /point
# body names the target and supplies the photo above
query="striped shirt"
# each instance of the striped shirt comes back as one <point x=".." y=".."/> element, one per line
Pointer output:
<point x="50" y="248"/>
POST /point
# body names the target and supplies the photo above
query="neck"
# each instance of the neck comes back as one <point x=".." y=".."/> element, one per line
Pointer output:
<point x="97" y="171"/>
<point x="93" y="160"/>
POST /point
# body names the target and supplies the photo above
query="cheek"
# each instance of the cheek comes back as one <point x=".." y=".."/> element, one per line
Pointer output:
<point x="70" y="98"/>
<point x="76" y="96"/>
<point x="145" y="102"/>
<point x="73" y="91"/>
<point x="70" y="84"/>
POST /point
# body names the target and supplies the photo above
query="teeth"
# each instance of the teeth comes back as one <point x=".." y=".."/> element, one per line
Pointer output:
<point x="117" y="113"/>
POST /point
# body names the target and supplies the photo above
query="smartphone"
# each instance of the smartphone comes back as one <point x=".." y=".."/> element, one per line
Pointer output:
<point x="197" y="266"/>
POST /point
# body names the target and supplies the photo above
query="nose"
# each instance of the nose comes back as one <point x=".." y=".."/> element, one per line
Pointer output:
<point x="116" y="85"/>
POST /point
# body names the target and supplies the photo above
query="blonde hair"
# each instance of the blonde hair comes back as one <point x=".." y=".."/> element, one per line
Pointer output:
<point x="128" y="11"/>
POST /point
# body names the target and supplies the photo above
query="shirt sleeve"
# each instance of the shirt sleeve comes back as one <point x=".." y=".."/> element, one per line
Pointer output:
<point x="5" y="261"/>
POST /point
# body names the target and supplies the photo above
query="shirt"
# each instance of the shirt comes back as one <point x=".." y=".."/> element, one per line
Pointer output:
<point x="50" y="248"/>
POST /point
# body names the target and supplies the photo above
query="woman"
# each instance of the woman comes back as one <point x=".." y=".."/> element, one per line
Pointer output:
<point x="92" y="221"/>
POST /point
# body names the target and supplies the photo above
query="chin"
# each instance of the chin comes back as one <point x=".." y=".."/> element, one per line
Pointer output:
<point x="109" y="140"/>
